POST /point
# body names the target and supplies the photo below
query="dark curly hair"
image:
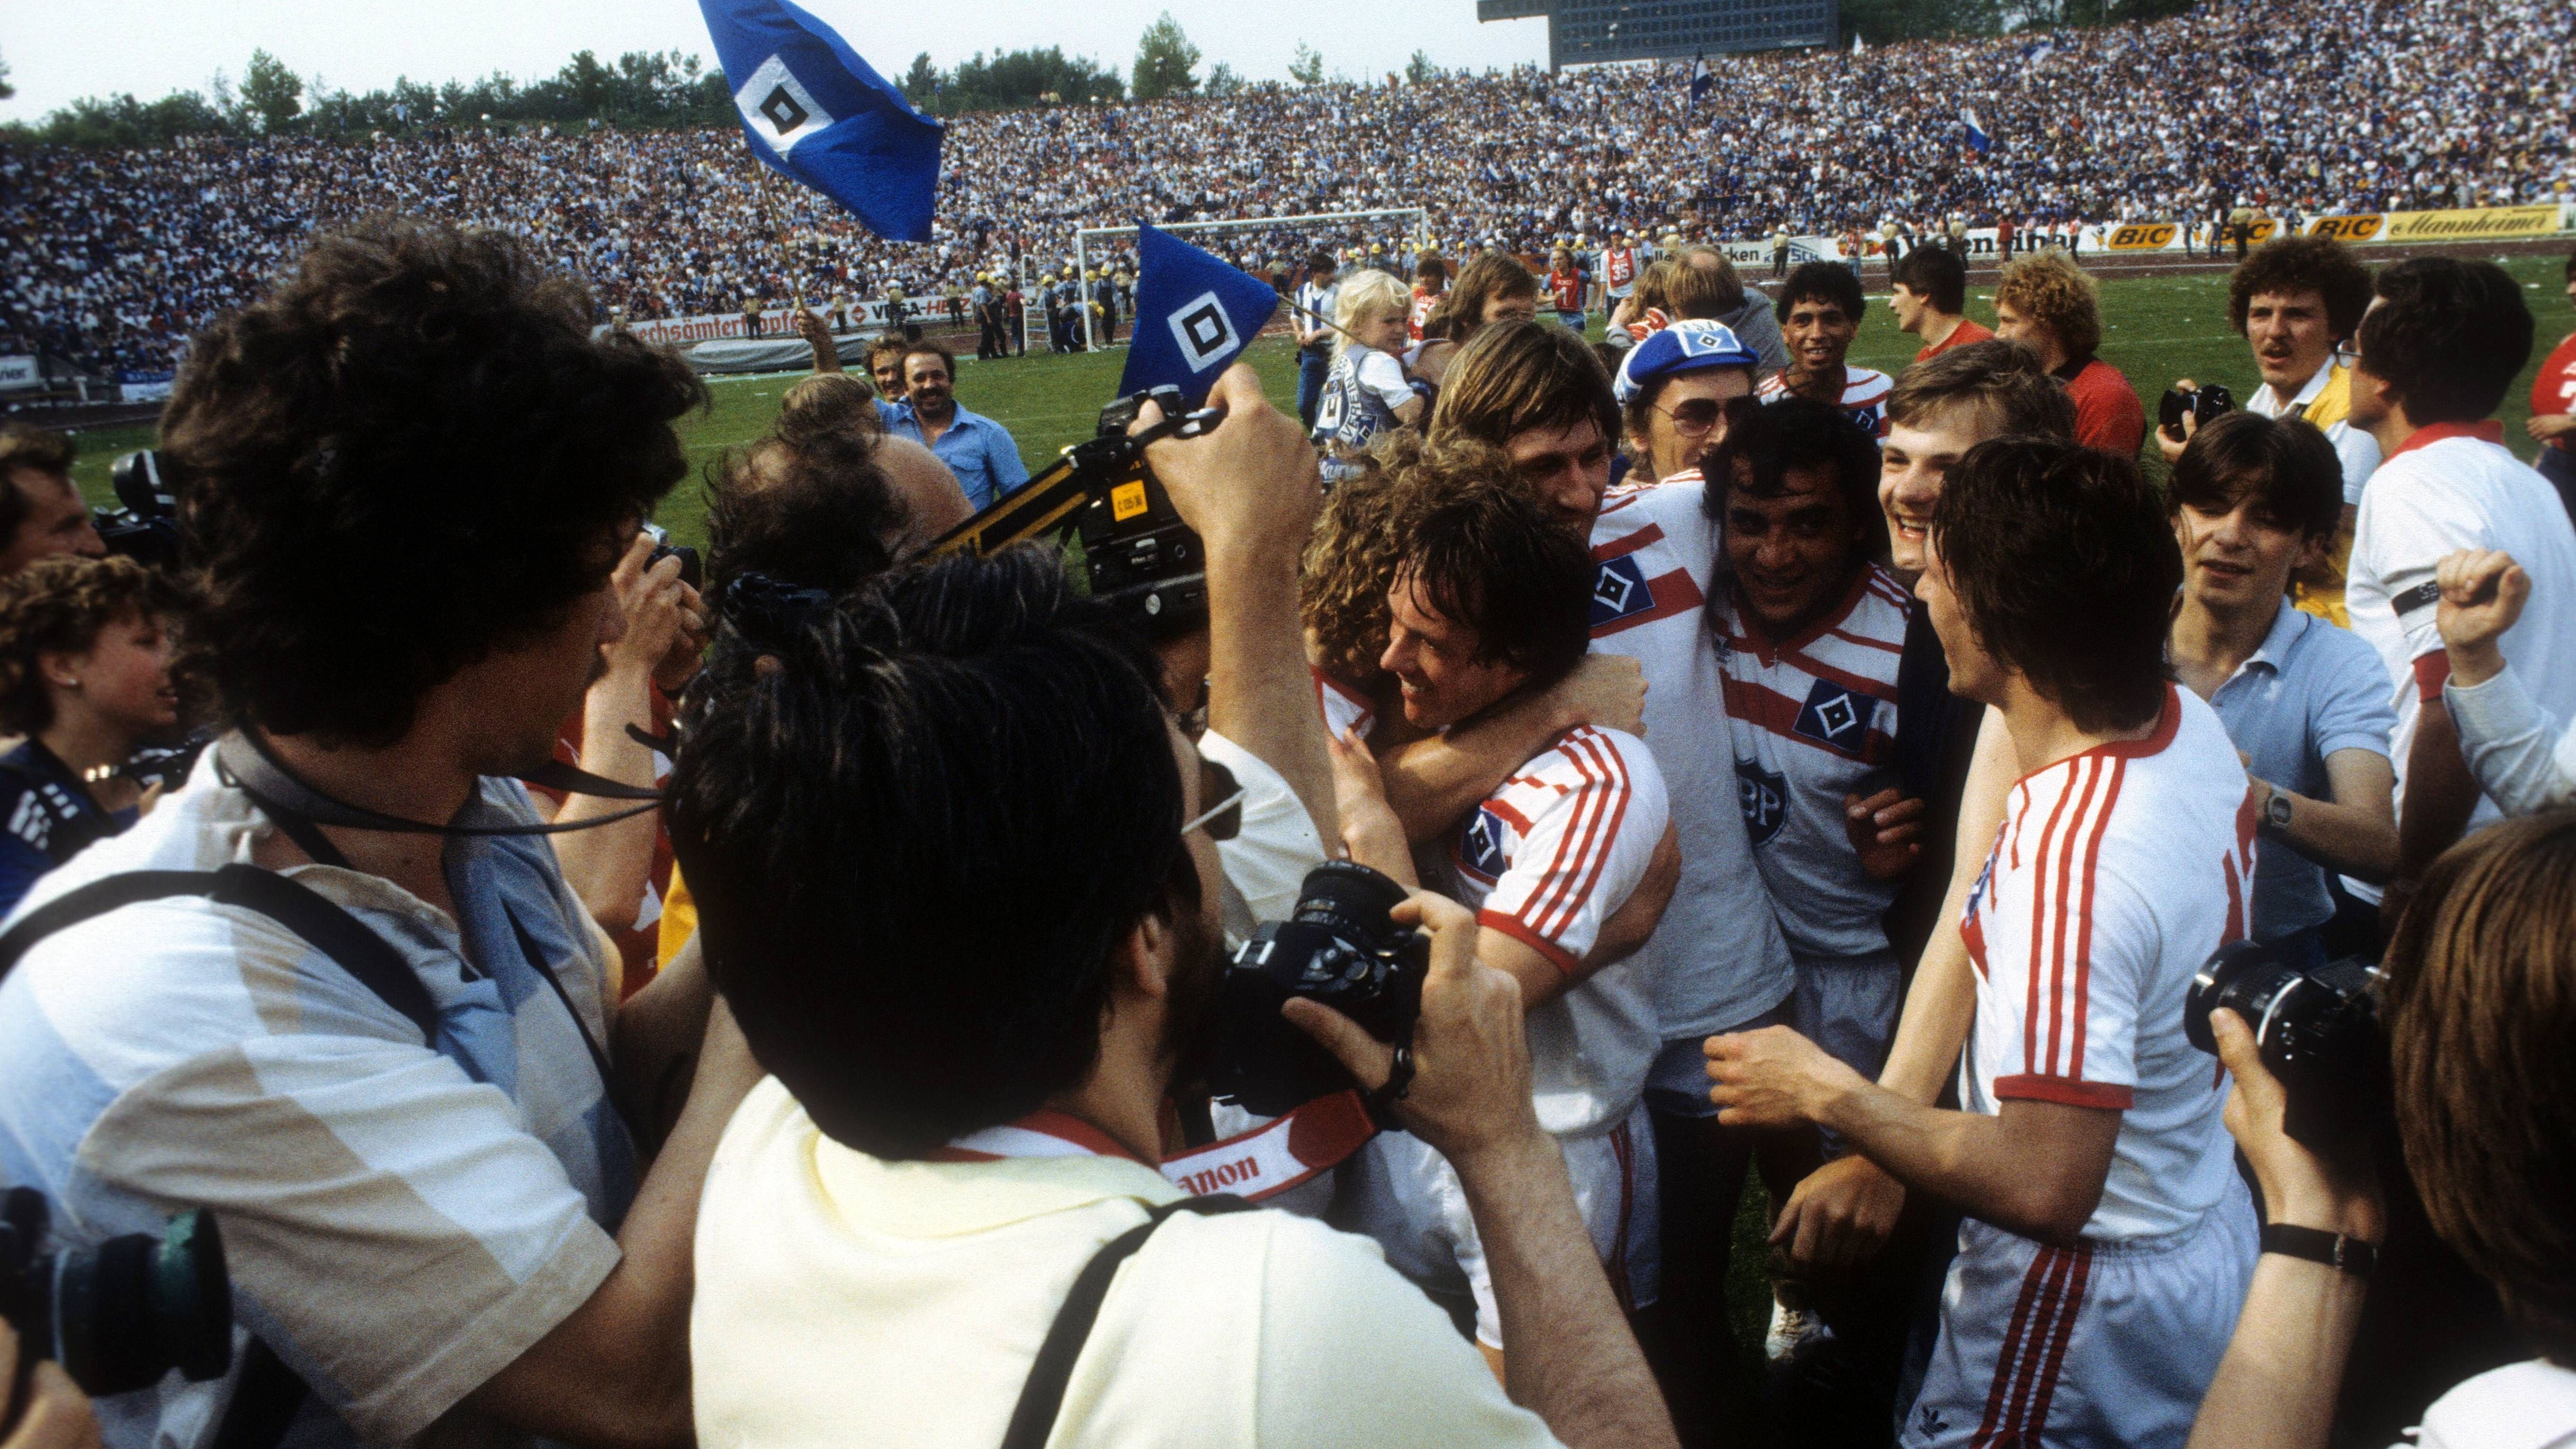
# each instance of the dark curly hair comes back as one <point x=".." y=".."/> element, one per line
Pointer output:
<point x="2066" y="567"/>
<point x="2449" y="335"/>
<point x="2303" y="264"/>
<point x="410" y="454"/>
<point x="1820" y="282"/>
<point x="57" y="606"/>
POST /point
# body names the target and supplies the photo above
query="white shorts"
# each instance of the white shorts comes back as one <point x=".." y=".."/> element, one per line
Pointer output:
<point x="2106" y="1344"/>
<point x="1403" y="1194"/>
<point x="1849" y="1006"/>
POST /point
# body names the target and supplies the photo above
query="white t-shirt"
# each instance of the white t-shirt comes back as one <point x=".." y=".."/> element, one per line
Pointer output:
<point x="845" y="1300"/>
<point x="1718" y="959"/>
<point x="2529" y="1405"/>
<point x="2452" y="487"/>
<point x="2114" y="876"/>
<point x="2357" y="450"/>
<point x="1813" y="719"/>
<point x="1546" y="860"/>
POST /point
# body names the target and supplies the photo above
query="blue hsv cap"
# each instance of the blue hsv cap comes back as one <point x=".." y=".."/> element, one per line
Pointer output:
<point x="1685" y="346"/>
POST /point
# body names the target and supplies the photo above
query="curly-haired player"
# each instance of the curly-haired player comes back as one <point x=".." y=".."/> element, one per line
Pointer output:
<point x="2046" y="303"/>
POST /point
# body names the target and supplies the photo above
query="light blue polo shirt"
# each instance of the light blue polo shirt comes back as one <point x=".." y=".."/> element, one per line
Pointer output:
<point x="2310" y="690"/>
<point x="975" y="448"/>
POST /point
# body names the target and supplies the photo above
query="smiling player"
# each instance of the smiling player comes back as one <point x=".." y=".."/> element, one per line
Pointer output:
<point x="1819" y="311"/>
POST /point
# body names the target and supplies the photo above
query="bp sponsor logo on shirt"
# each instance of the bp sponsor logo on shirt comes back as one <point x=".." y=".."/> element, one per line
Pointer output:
<point x="1764" y="796"/>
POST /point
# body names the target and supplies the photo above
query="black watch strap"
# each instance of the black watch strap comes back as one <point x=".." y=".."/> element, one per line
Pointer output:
<point x="2335" y="1250"/>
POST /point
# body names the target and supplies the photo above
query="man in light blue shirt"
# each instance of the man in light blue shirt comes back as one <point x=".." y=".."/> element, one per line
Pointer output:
<point x="2306" y="702"/>
<point x="977" y="449"/>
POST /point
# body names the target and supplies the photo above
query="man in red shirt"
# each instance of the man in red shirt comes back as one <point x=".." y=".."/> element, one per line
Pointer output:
<point x="1928" y="292"/>
<point x="2047" y="304"/>
<point x="2553" y="411"/>
<point x="1565" y="288"/>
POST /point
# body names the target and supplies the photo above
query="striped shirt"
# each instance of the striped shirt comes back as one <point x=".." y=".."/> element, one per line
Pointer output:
<point x="1813" y="718"/>
<point x="402" y="1219"/>
<point x="1865" y="393"/>
<point x="2114" y="876"/>
<point x="1547" y="859"/>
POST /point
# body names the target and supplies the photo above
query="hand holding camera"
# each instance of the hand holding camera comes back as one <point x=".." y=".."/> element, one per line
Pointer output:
<point x="1249" y="481"/>
<point x="2183" y="409"/>
<point x="2335" y="1192"/>
<point x="1470" y="1089"/>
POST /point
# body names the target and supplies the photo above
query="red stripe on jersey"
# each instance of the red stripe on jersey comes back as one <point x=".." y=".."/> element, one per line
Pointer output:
<point x="1972" y="934"/>
<point x="1849" y="637"/>
<point x="2008" y="1352"/>
<point x="1502" y="808"/>
<point x="2084" y="937"/>
<point x="1674" y="593"/>
<point x="1575" y="842"/>
<point x="2069" y="884"/>
<point x="1617" y="766"/>
<point x="2038" y="933"/>
<point x="2034" y="1425"/>
<point x="2066" y="1091"/>
<point x="1766" y="708"/>
<point x="1512" y="926"/>
<point x="1652" y="533"/>
<point x="2014" y="828"/>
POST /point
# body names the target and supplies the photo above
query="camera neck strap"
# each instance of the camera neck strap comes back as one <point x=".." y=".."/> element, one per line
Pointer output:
<point x="246" y="764"/>
<point x="1260" y="1164"/>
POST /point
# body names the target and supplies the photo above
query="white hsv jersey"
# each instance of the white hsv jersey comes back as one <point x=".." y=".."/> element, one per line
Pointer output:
<point x="1813" y="719"/>
<point x="2115" y="875"/>
<point x="1717" y="959"/>
<point x="1546" y="860"/>
<point x="1865" y="393"/>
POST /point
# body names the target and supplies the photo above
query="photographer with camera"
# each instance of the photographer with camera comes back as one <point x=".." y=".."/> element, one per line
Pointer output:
<point x="41" y="513"/>
<point x="335" y="988"/>
<point x="85" y="678"/>
<point x="972" y="1042"/>
<point x="2479" y="988"/>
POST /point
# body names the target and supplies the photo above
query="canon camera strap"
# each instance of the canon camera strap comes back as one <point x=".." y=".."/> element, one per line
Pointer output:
<point x="247" y="765"/>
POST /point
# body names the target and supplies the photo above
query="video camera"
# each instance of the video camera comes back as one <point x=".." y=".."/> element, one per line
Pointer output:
<point x="120" y="1315"/>
<point x="2319" y="1033"/>
<point x="1136" y="552"/>
<point x="2205" y="402"/>
<point x="1338" y="947"/>
<point x="145" y="528"/>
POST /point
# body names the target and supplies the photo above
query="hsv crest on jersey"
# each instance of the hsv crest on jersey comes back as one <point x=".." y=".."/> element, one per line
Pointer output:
<point x="1620" y="590"/>
<point x="1836" y="716"/>
<point x="1625" y="596"/>
<point x="1480" y="849"/>
<point x="1764" y="796"/>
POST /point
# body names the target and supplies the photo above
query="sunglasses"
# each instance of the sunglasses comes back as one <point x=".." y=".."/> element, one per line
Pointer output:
<point x="1695" y="416"/>
<point x="1225" y="817"/>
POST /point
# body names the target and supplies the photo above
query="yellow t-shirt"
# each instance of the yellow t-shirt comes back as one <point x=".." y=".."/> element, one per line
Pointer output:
<point x="2332" y="404"/>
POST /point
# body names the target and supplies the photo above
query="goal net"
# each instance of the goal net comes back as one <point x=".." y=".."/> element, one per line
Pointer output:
<point x="1255" y="242"/>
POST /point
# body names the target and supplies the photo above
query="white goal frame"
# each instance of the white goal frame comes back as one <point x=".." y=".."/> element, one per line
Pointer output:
<point x="1082" y="241"/>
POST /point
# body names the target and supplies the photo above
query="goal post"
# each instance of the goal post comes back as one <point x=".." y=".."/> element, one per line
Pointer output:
<point x="1267" y="236"/>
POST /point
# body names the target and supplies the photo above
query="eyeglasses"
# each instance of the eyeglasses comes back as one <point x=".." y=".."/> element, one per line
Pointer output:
<point x="2346" y="355"/>
<point x="1225" y="817"/>
<point x="1695" y="416"/>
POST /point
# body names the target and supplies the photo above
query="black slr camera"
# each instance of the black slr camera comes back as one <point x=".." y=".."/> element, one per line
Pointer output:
<point x="692" y="572"/>
<point x="121" y="1315"/>
<point x="2319" y="1032"/>
<point x="1338" y="948"/>
<point x="145" y="525"/>
<point x="2202" y="403"/>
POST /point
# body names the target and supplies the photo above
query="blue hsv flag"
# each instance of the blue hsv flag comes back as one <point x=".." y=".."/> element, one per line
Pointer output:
<point x="1701" y="79"/>
<point x="1194" y="313"/>
<point x="816" y="111"/>
<point x="1977" y="136"/>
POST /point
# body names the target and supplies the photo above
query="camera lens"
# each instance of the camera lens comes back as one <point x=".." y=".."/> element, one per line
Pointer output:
<point x="1350" y="896"/>
<point x="2244" y="977"/>
<point x="135" y="1307"/>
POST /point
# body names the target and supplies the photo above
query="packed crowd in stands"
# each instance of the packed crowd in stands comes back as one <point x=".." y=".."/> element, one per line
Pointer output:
<point x="2319" y="105"/>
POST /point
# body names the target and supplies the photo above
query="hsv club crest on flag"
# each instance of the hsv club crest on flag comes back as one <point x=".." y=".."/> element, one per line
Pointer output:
<point x="1194" y="315"/>
<point x="815" y="110"/>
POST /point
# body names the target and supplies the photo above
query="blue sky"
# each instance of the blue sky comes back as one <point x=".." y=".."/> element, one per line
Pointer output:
<point x="61" y="50"/>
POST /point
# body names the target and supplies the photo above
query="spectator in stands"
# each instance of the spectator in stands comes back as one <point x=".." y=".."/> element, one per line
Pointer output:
<point x="85" y="678"/>
<point x="2047" y="304"/>
<point x="2432" y="361"/>
<point x="1928" y="292"/>
<point x="1819" y="311"/>
<point x="41" y="513"/>
<point x="373" y="680"/>
<point x="2553" y="409"/>
<point x="2524" y="760"/>
<point x="2296" y="299"/>
<point x="2255" y="499"/>
<point x="1674" y="391"/>
<point x="975" y="448"/>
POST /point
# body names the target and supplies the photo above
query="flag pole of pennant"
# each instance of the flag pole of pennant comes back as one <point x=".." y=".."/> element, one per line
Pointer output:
<point x="1195" y="313"/>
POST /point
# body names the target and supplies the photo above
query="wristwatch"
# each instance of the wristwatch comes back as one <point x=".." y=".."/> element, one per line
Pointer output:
<point x="2336" y="1250"/>
<point x="2276" y="809"/>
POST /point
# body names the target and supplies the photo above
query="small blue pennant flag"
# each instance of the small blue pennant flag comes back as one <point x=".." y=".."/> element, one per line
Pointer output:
<point x="1701" y="79"/>
<point x="1977" y="137"/>
<point x="1194" y="315"/>
<point x="816" y="111"/>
